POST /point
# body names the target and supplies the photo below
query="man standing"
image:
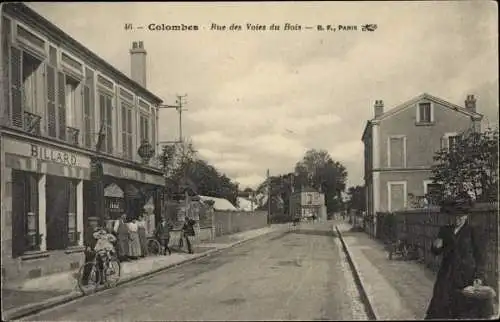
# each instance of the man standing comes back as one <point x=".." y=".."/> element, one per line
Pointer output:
<point x="162" y="234"/>
<point x="188" y="230"/>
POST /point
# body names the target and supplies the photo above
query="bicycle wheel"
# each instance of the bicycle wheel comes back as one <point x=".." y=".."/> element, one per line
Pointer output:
<point x="112" y="272"/>
<point x="88" y="278"/>
<point x="154" y="247"/>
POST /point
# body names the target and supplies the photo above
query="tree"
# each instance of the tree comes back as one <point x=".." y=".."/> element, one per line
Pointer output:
<point x="318" y="170"/>
<point x="470" y="166"/>
<point x="357" y="199"/>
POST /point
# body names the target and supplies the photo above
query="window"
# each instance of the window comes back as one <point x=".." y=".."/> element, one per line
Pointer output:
<point x="127" y="130"/>
<point x="25" y="228"/>
<point x="88" y="110"/>
<point x="106" y="112"/>
<point x="425" y="113"/>
<point x="397" y="195"/>
<point x="452" y="142"/>
<point x="449" y="141"/>
<point x="396" y="152"/>
<point x="144" y="128"/>
<point x="73" y="235"/>
<point x="73" y="108"/>
<point x="32" y="83"/>
<point x="433" y="192"/>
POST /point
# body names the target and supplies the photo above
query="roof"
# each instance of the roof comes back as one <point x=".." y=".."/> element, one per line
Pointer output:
<point x="246" y="204"/>
<point x="21" y="10"/>
<point x="414" y="100"/>
<point x="220" y="203"/>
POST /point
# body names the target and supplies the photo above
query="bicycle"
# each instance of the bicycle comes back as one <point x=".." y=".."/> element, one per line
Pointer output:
<point x="104" y="269"/>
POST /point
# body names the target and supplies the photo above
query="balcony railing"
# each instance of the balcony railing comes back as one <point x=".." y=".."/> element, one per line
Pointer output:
<point x="32" y="123"/>
<point x="72" y="135"/>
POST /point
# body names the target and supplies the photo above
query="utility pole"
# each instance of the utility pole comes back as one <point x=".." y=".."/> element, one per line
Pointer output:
<point x="180" y="102"/>
<point x="268" y="198"/>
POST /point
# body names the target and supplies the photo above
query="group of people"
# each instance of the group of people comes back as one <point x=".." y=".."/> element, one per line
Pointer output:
<point x="131" y="238"/>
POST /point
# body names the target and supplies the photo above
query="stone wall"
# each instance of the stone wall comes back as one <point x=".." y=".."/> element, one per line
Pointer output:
<point x="231" y="222"/>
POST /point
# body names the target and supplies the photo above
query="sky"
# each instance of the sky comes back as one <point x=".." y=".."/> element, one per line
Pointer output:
<point x="257" y="100"/>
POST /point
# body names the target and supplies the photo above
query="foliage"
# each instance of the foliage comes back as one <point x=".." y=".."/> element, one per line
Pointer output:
<point x="180" y="162"/>
<point x="357" y="198"/>
<point x="470" y="165"/>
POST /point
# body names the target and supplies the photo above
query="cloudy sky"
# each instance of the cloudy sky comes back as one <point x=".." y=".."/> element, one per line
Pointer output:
<point x="260" y="99"/>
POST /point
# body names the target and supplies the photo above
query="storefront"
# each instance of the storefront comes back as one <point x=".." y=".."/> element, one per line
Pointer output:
<point x="46" y="204"/>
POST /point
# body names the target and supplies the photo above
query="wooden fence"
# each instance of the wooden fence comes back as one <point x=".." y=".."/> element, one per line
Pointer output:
<point x="420" y="227"/>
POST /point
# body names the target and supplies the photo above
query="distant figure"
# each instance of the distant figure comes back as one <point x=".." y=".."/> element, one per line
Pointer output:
<point x="135" y="244"/>
<point x="462" y="265"/>
<point x="141" y="230"/>
<point x="162" y="234"/>
<point x="188" y="230"/>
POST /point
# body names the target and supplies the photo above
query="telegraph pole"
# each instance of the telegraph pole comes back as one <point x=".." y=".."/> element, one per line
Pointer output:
<point x="180" y="102"/>
<point x="268" y="198"/>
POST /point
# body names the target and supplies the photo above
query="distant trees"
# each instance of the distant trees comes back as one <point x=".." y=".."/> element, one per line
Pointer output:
<point x="357" y="195"/>
<point x="469" y="165"/>
<point x="318" y="170"/>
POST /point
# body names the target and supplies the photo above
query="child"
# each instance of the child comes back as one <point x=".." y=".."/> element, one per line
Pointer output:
<point x="105" y="241"/>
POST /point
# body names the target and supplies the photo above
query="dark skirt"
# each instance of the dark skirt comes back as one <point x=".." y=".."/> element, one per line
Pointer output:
<point x="143" y="240"/>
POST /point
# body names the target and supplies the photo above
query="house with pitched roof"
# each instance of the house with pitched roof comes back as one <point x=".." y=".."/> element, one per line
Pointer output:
<point x="399" y="146"/>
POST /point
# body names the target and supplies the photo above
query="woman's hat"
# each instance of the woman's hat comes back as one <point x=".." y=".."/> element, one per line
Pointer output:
<point x="458" y="206"/>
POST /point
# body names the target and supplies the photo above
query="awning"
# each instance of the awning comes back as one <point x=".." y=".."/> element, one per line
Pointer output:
<point x="131" y="191"/>
<point x="113" y="191"/>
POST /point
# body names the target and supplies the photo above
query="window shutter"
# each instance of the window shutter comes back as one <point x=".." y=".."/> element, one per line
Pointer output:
<point x="5" y="63"/>
<point x="51" y="101"/>
<point x="16" y="83"/>
<point x="109" y="127"/>
<point x="18" y="211"/>
<point x="124" y="130"/>
<point x="61" y="99"/>
<point x="87" y="117"/>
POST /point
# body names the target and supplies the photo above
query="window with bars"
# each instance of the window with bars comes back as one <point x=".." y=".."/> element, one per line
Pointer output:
<point x="106" y="112"/>
<point x="127" y="122"/>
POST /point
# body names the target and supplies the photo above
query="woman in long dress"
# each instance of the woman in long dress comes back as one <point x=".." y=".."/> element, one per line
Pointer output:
<point x="135" y="244"/>
<point x="141" y="229"/>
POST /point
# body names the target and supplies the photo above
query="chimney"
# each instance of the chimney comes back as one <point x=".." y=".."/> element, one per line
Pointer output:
<point x="138" y="63"/>
<point x="379" y="108"/>
<point x="470" y="103"/>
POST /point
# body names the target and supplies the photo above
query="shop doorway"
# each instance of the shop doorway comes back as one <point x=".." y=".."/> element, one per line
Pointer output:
<point x="61" y="212"/>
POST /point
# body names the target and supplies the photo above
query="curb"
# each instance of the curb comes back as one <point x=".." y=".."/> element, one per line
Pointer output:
<point x="30" y="309"/>
<point x="357" y="279"/>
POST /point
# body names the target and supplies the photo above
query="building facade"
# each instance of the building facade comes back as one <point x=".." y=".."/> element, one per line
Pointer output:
<point x="61" y="105"/>
<point x="399" y="146"/>
<point x="307" y="203"/>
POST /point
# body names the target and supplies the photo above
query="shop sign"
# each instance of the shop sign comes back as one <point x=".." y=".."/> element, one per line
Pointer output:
<point x="47" y="154"/>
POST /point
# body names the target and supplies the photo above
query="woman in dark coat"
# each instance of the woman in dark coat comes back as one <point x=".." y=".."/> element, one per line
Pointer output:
<point x="462" y="265"/>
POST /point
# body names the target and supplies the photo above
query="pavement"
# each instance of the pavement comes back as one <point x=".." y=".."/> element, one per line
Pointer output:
<point x="295" y="274"/>
<point x="395" y="289"/>
<point x="37" y="294"/>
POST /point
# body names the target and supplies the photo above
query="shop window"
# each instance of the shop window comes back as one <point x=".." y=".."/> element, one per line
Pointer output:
<point x="61" y="200"/>
<point x="25" y="229"/>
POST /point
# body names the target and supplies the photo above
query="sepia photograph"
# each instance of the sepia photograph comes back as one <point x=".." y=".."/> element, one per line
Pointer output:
<point x="249" y="160"/>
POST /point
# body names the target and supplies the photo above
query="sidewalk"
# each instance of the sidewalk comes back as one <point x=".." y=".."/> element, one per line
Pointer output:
<point x="47" y="291"/>
<point x="396" y="289"/>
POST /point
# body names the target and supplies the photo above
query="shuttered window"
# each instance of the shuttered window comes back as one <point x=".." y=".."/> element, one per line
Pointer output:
<point x="61" y="105"/>
<point x="106" y="109"/>
<point x="87" y="118"/>
<point x="6" y="36"/>
<point x="51" y="101"/>
<point x="396" y="152"/>
<point x="16" y="84"/>
<point x="126" y="114"/>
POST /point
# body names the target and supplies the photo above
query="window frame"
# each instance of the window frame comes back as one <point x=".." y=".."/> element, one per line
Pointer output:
<point x="446" y="139"/>
<point x="405" y="194"/>
<point x="400" y="136"/>
<point x="107" y="127"/>
<point x="431" y="112"/>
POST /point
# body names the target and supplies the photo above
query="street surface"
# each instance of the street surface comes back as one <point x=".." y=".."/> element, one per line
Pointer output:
<point x="296" y="275"/>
